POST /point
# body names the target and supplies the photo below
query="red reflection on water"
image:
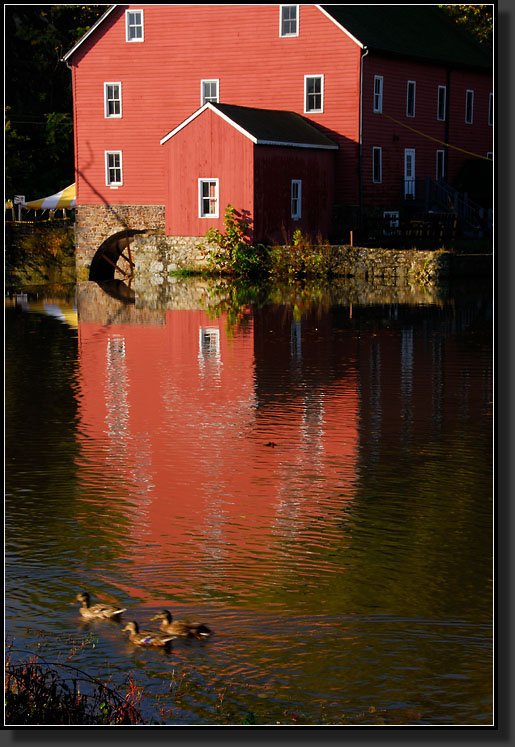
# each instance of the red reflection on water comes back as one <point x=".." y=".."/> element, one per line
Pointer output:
<point x="168" y="408"/>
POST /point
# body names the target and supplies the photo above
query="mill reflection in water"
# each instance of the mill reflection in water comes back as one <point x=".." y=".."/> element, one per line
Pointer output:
<point x="310" y="473"/>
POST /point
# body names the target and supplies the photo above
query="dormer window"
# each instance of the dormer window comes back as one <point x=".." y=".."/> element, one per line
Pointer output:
<point x="134" y="25"/>
<point x="289" y="21"/>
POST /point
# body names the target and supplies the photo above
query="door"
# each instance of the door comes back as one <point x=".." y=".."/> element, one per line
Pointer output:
<point x="409" y="174"/>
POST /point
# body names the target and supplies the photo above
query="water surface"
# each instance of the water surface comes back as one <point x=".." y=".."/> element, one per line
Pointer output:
<point x="308" y="472"/>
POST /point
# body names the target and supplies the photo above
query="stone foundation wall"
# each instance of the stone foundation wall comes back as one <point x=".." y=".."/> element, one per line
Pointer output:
<point x="157" y="256"/>
<point x="96" y="223"/>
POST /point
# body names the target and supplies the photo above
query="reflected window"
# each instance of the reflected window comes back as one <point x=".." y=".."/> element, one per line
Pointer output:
<point x="209" y="342"/>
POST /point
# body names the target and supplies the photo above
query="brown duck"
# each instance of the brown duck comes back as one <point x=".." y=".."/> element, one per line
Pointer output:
<point x="97" y="611"/>
<point x="146" y="637"/>
<point x="184" y="628"/>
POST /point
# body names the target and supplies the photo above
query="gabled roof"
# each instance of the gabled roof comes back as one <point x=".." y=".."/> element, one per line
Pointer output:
<point x="423" y="32"/>
<point x="265" y="126"/>
<point x="88" y="32"/>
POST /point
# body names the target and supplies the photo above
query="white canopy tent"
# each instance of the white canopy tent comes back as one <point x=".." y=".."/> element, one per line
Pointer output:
<point x="63" y="200"/>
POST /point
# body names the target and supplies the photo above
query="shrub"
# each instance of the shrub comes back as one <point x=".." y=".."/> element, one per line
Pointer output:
<point x="50" y="693"/>
<point x="231" y="252"/>
<point x="302" y="257"/>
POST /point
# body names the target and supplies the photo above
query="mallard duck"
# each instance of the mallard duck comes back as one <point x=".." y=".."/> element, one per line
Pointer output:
<point x="185" y="628"/>
<point x="146" y="637"/>
<point x="98" y="611"/>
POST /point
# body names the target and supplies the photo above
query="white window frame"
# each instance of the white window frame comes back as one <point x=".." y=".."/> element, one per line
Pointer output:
<point x="469" y="106"/>
<point x="378" y="94"/>
<point x="107" y="115"/>
<point x="129" y="25"/>
<point x="203" y="98"/>
<point x="109" y="168"/>
<point x="377" y="151"/>
<point x="440" y="164"/>
<point x="201" y="198"/>
<point x="441" y="103"/>
<point x="491" y="109"/>
<point x="411" y="86"/>
<point x="321" y="94"/>
<point x="392" y="216"/>
<point x="296" y="199"/>
<point x="409" y="179"/>
<point x="282" y="8"/>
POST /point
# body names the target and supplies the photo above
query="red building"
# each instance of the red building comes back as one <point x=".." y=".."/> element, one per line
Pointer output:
<point x="405" y="96"/>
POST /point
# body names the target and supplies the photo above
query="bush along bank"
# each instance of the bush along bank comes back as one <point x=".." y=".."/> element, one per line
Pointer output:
<point x="231" y="253"/>
<point x="36" y="254"/>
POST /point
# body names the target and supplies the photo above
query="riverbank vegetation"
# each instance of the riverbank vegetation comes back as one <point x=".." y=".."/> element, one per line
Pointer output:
<point x="44" y="253"/>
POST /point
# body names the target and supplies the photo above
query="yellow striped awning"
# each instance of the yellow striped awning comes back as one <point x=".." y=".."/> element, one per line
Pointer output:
<point x="63" y="199"/>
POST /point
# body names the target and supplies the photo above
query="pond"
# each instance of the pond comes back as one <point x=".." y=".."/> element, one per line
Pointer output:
<point x="306" y="470"/>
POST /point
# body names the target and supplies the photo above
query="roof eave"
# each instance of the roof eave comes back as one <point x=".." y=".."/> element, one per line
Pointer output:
<point x="88" y="33"/>
<point x="339" y="25"/>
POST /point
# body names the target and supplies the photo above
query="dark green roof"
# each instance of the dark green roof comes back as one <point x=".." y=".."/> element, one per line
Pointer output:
<point x="276" y="127"/>
<point x="424" y="32"/>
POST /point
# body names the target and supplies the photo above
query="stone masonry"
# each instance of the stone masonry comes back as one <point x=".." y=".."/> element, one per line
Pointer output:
<point x="96" y="223"/>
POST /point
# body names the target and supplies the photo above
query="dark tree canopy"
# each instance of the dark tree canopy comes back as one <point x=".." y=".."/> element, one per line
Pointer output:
<point x="38" y="95"/>
<point x="475" y="19"/>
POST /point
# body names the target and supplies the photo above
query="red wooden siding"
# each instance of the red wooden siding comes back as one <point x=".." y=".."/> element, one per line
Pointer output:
<point x="240" y="46"/>
<point x="254" y="179"/>
<point x="380" y="129"/>
<point x="237" y="44"/>
<point x="274" y="170"/>
<point x="207" y="148"/>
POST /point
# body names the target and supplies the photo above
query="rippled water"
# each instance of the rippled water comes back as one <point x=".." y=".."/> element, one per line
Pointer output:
<point x="308" y="474"/>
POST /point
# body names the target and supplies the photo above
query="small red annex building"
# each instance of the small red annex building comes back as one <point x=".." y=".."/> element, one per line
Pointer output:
<point x="258" y="160"/>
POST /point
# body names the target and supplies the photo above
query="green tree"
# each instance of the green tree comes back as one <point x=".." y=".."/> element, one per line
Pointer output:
<point x="475" y="19"/>
<point x="38" y="95"/>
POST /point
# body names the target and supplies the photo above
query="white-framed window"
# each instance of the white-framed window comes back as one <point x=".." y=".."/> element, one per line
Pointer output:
<point x="391" y="220"/>
<point x="469" y="107"/>
<point x="114" y="168"/>
<point x="134" y="26"/>
<point x="208" y="198"/>
<point x="440" y="165"/>
<point x="289" y="20"/>
<point x="209" y="91"/>
<point x="112" y="100"/>
<point x="409" y="173"/>
<point x="313" y="93"/>
<point x="296" y="199"/>
<point x="378" y="94"/>
<point x="377" y="165"/>
<point x="410" y="98"/>
<point x="491" y="109"/>
<point x="441" y="109"/>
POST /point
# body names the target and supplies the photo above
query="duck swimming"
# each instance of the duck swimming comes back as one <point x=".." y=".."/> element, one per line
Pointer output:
<point x="97" y="611"/>
<point x="146" y="637"/>
<point x="178" y="628"/>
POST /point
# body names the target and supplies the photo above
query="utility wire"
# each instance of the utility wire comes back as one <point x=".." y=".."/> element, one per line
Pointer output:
<point x="441" y="142"/>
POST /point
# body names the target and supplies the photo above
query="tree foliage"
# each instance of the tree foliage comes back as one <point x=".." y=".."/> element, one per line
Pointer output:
<point x="475" y="19"/>
<point x="38" y="95"/>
